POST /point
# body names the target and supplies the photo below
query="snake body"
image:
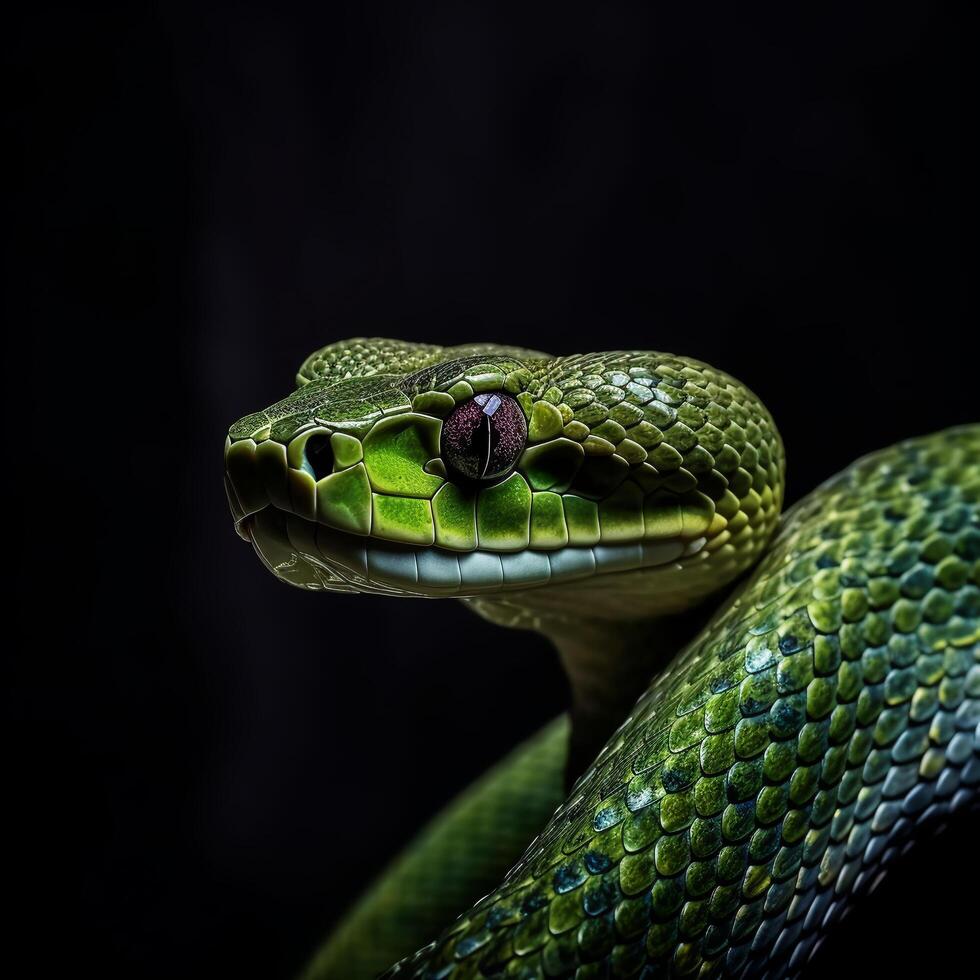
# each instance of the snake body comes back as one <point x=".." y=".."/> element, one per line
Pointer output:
<point x="774" y="764"/>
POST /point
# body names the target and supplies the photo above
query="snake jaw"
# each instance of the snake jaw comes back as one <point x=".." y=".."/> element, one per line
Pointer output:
<point x="315" y="557"/>
<point x="313" y="554"/>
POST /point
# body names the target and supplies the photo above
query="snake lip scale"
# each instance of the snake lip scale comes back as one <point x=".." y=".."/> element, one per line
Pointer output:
<point x="742" y="786"/>
<point x="335" y="560"/>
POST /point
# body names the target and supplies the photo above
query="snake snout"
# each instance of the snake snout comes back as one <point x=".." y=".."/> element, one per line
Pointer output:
<point x="299" y="477"/>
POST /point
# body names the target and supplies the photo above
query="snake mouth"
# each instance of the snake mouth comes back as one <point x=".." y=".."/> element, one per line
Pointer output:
<point x="315" y="557"/>
<point x="328" y="527"/>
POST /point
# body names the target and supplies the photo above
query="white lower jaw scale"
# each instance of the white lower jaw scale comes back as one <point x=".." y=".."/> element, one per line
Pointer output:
<point x="435" y="571"/>
<point x="359" y="563"/>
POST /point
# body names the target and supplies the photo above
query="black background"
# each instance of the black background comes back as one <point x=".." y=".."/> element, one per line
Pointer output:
<point x="200" y="198"/>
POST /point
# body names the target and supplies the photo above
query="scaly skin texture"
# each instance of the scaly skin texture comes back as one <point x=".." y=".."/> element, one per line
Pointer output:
<point x="635" y="462"/>
<point x="770" y="768"/>
<point x="765" y="777"/>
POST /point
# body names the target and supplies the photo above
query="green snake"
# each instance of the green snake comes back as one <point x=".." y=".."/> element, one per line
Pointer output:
<point x="713" y="820"/>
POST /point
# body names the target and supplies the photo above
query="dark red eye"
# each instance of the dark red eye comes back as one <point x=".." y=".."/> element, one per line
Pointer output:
<point x="484" y="437"/>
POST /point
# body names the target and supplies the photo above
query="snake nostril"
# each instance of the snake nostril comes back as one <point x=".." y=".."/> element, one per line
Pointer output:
<point x="319" y="455"/>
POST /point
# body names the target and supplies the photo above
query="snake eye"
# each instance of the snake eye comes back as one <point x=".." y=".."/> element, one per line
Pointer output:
<point x="484" y="437"/>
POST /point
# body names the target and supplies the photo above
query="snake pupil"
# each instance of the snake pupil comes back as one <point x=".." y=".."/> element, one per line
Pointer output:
<point x="483" y="438"/>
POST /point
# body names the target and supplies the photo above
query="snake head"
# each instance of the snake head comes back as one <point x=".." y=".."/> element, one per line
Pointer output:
<point x="486" y="471"/>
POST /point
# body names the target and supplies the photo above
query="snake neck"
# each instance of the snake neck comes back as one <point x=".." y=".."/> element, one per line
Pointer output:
<point x="609" y="665"/>
<point x="609" y="662"/>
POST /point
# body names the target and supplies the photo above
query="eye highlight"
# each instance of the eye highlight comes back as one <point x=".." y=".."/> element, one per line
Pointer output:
<point x="484" y="437"/>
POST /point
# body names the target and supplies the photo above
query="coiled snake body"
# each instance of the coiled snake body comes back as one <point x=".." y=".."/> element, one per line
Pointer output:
<point x="828" y="710"/>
